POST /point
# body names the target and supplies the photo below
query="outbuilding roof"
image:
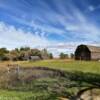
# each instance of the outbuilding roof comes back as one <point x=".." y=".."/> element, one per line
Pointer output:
<point x="91" y="48"/>
<point x="94" y="48"/>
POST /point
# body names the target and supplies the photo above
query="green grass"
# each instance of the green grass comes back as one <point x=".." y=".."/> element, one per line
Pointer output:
<point x="43" y="89"/>
<point x="84" y="66"/>
<point x="21" y="95"/>
<point x="13" y="95"/>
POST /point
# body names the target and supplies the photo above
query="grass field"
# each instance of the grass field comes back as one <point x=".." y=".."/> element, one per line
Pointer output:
<point x="67" y="65"/>
<point x="53" y="87"/>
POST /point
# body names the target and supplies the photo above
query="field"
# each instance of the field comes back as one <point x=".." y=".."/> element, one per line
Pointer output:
<point x="56" y="79"/>
<point x="67" y="65"/>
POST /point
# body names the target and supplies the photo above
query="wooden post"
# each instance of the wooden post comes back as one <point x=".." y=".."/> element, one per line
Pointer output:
<point x="8" y="69"/>
<point x="18" y="70"/>
<point x="8" y="75"/>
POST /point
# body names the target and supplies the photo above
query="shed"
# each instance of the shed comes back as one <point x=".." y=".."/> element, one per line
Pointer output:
<point x="35" y="58"/>
<point x="87" y="52"/>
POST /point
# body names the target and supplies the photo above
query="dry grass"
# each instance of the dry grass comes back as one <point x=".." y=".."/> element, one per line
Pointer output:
<point x="67" y="65"/>
<point x="55" y="84"/>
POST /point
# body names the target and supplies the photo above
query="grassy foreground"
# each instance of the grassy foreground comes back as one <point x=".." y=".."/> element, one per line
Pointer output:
<point x="67" y="65"/>
<point x="52" y="88"/>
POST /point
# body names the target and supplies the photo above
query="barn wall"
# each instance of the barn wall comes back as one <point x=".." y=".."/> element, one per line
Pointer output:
<point x="82" y="53"/>
<point x="95" y="56"/>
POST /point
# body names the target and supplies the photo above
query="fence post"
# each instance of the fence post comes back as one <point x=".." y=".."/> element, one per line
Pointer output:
<point x="18" y="70"/>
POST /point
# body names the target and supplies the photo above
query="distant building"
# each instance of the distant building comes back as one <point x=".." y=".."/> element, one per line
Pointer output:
<point x="35" y="58"/>
<point x="25" y="58"/>
<point x="31" y="58"/>
<point x="86" y="52"/>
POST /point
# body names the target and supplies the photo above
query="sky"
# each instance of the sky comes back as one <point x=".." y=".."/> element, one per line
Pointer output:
<point x="58" y="25"/>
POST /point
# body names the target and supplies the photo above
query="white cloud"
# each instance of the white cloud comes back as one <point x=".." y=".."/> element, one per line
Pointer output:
<point x="46" y="28"/>
<point x="70" y="17"/>
<point x="91" y="8"/>
<point x="11" y="37"/>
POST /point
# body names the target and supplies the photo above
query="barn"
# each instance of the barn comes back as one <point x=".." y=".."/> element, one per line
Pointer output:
<point x="86" y="52"/>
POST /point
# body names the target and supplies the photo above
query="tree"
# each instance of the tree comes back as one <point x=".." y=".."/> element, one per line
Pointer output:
<point x="14" y="55"/>
<point x="35" y="52"/>
<point x="17" y="50"/>
<point x="71" y="55"/>
<point x="24" y="53"/>
<point x="63" y="56"/>
<point x="24" y="48"/>
<point x="44" y="54"/>
<point x="21" y="55"/>
<point x="3" y="52"/>
<point x="66" y="56"/>
<point x="50" y="56"/>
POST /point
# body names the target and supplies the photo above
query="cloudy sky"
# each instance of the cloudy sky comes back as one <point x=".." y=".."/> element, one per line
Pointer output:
<point x="59" y="25"/>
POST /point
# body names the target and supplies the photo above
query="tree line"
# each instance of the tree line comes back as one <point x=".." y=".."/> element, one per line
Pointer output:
<point x="23" y="53"/>
<point x="66" y="56"/>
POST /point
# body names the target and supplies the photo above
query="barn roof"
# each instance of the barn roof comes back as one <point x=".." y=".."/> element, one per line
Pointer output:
<point x="94" y="48"/>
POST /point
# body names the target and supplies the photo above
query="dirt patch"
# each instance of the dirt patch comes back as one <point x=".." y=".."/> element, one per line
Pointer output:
<point x="93" y="94"/>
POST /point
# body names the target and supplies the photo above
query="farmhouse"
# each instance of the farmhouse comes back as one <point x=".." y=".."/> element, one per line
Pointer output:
<point x="86" y="52"/>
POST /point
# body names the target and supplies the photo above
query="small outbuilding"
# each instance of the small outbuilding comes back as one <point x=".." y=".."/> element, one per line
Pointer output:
<point x="86" y="52"/>
<point x="35" y="58"/>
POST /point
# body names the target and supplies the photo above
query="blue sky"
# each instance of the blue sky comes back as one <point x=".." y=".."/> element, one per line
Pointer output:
<point x="58" y="25"/>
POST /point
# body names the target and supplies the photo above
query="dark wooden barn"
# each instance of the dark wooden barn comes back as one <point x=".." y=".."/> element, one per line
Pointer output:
<point x="86" y="52"/>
